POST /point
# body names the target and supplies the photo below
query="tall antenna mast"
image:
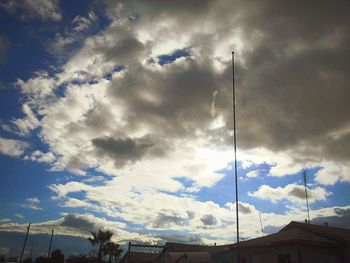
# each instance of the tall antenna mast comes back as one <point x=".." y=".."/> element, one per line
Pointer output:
<point x="306" y="197"/>
<point x="24" y="244"/>
<point x="262" y="229"/>
<point x="48" y="253"/>
<point x="235" y="149"/>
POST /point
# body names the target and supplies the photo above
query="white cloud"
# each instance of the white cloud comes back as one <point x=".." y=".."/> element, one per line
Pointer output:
<point x="38" y="88"/>
<point x="28" y="123"/>
<point x="78" y="31"/>
<point x="290" y="162"/>
<point x="291" y="192"/>
<point x="332" y="173"/>
<point x="12" y="148"/>
<point x="41" y="157"/>
<point x="5" y="220"/>
<point x="253" y="174"/>
<point x="81" y="23"/>
<point x="19" y="216"/>
<point x="32" y="203"/>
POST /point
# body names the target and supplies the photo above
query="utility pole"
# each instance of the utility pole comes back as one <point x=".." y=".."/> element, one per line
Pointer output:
<point x="235" y="149"/>
<point x="306" y="197"/>
<point x="24" y="244"/>
<point x="48" y="254"/>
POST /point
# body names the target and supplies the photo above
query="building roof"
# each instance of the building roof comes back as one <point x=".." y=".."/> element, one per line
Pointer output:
<point x="138" y="257"/>
<point x="302" y="233"/>
<point x="179" y="247"/>
<point x="293" y="235"/>
<point x="187" y="257"/>
<point x="337" y="234"/>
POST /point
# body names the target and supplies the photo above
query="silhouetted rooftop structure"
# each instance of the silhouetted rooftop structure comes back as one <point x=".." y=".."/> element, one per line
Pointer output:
<point x="138" y="257"/>
<point x="296" y="242"/>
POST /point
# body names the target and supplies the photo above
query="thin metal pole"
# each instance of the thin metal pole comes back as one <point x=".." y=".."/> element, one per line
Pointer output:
<point x="235" y="149"/>
<point x="48" y="253"/>
<point x="306" y="197"/>
<point x="262" y="229"/>
<point x="24" y="244"/>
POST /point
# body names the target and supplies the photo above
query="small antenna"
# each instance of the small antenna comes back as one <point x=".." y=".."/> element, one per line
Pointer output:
<point x="262" y="229"/>
<point x="306" y="197"/>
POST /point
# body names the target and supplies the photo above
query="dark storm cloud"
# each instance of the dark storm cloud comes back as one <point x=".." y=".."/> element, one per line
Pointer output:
<point x="341" y="219"/>
<point x="124" y="49"/>
<point x="122" y="148"/>
<point x="78" y="222"/>
<point x="245" y="209"/>
<point x="177" y="99"/>
<point x="297" y="192"/>
<point x="209" y="220"/>
<point x="125" y="150"/>
<point x="292" y="85"/>
<point x="168" y="7"/>
<point x="292" y="81"/>
<point x="269" y="229"/>
<point x="163" y="221"/>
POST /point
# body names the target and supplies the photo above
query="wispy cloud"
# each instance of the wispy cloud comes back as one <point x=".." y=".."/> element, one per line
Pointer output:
<point x="32" y="203"/>
<point x="19" y="216"/>
<point x="27" y="9"/>
<point x="12" y="147"/>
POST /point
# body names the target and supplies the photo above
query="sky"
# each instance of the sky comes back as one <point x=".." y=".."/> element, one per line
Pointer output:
<point x="117" y="115"/>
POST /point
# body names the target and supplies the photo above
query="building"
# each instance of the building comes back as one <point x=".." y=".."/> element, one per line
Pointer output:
<point x="295" y="243"/>
<point x="139" y="257"/>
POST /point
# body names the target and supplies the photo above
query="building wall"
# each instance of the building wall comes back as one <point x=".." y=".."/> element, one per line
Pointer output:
<point x="272" y="254"/>
<point x="320" y="254"/>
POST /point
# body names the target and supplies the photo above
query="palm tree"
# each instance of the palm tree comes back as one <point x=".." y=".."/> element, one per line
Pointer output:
<point x="117" y="254"/>
<point x="100" y="238"/>
<point x="110" y="249"/>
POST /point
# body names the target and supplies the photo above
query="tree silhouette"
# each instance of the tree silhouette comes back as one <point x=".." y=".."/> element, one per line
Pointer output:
<point x="100" y="238"/>
<point x="57" y="256"/>
<point x="117" y="254"/>
<point x="110" y="249"/>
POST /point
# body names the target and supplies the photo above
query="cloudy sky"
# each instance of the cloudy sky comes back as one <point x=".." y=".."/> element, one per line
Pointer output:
<point x="118" y="115"/>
